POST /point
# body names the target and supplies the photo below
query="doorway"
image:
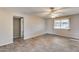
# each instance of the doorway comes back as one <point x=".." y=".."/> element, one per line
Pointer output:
<point x="18" y="28"/>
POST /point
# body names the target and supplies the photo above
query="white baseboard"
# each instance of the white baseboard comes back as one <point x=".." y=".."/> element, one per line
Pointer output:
<point x="6" y="43"/>
<point x="32" y="36"/>
<point x="65" y="36"/>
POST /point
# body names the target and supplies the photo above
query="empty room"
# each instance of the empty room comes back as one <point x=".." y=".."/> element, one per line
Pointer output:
<point x="39" y="29"/>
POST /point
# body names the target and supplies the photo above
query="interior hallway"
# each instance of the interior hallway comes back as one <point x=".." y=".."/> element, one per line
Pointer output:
<point x="43" y="43"/>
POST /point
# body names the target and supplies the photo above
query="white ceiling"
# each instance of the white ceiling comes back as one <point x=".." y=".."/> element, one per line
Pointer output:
<point x="43" y="11"/>
<point x="26" y="10"/>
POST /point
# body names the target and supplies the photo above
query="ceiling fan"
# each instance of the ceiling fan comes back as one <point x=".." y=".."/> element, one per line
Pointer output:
<point x="54" y="11"/>
<point x="50" y="12"/>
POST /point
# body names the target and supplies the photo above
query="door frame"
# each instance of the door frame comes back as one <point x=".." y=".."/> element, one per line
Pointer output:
<point x="21" y="31"/>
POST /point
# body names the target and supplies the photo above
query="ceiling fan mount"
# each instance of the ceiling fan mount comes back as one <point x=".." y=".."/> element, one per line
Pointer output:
<point x="51" y="8"/>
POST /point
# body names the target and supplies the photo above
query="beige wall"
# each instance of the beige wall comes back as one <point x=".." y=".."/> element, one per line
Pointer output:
<point x="74" y="32"/>
<point x="32" y="27"/>
<point x="6" y="29"/>
<point x="49" y="26"/>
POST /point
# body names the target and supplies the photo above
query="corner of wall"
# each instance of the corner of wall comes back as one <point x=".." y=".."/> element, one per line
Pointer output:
<point x="34" y="35"/>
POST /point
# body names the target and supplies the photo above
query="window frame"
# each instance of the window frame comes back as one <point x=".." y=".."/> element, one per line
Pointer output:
<point x="69" y="27"/>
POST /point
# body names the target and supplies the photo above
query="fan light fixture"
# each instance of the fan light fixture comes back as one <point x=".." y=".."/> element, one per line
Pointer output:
<point x="55" y="12"/>
<point x="54" y="15"/>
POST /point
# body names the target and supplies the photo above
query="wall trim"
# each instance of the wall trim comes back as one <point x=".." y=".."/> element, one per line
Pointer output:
<point x="10" y="42"/>
<point x="64" y="36"/>
<point x="33" y="36"/>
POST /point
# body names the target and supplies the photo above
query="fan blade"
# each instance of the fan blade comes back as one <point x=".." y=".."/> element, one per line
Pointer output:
<point x="58" y="9"/>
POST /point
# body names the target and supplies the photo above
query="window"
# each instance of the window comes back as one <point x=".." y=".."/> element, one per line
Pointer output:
<point x="62" y="23"/>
